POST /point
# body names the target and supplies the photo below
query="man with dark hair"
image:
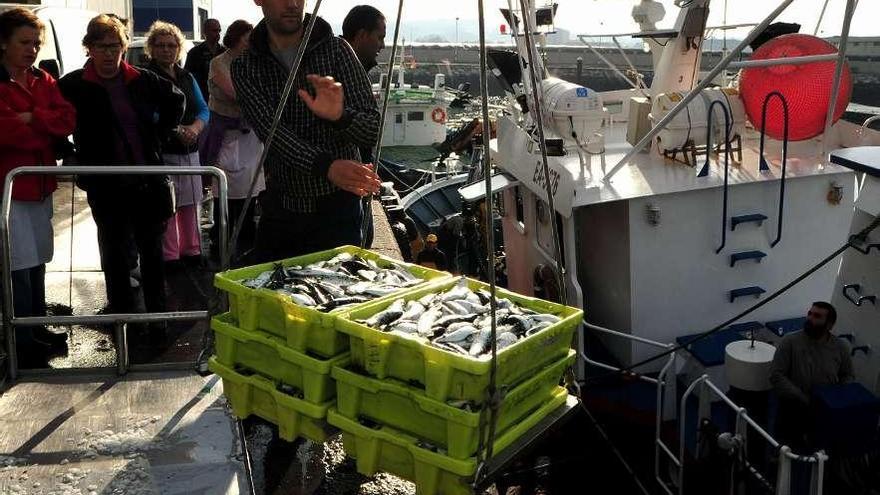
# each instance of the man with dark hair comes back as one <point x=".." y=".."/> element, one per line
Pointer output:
<point x="315" y="176"/>
<point x="198" y="60"/>
<point x="804" y="360"/>
<point x="364" y="29"/>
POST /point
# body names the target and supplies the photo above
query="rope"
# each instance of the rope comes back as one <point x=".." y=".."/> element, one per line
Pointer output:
<point x="493" y="398"/>
<point x="851" y="243"/>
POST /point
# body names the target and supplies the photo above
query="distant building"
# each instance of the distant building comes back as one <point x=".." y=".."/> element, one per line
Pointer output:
<point x="188" y="15"/>
<point x="864" y="45"/>
<point x="121" y="8"/>
<point x="560" y="37"/>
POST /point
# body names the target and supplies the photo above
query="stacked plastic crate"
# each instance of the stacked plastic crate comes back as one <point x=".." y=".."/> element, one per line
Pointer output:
<point x="414" y="410"/>
<point x="275" y="357"/>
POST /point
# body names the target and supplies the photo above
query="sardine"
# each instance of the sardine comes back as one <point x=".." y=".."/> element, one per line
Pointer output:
<point x="414" y="309"/>
<point x="341" y="258"/>
<point x="448" y="320"/>
<point x="455" y="308"/>
<point x="480" y="343"/>
<point x="459" y="292"/>
<point x="458" y="335"/>
<point x="542" y="318"/>
<point x="380" y="291"/>
<point x="408" y="327"/>
<point x="505" y="340"/>
<point x="426" y="321"/>
<point x="302" y="299"/>
<point x="427" y="299"/>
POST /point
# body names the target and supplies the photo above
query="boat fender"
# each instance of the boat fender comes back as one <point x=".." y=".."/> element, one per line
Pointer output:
<point x="438" y="115"/>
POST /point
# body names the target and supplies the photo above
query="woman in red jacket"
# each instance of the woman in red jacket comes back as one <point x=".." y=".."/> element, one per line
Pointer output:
<point x="33" y="116"/>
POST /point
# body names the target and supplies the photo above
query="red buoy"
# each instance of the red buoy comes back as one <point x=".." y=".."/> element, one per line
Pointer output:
<point x="806" y="87"/>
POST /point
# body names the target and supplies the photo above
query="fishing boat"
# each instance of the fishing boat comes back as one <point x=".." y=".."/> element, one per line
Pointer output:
<point x="682" y="207"/>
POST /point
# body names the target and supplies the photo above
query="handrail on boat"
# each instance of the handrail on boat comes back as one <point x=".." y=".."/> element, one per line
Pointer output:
<point x="705" y="170"/>
<point x="10" y="321"/>
<point x="765" y="167"/>
<point x="662" y="381"/>
<point x="786" y="456"/>
<point x="838" y="73"/>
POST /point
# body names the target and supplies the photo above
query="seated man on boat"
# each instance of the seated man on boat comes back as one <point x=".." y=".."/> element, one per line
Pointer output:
<point x="315" y="175"/>
<point x="804" y="360"/>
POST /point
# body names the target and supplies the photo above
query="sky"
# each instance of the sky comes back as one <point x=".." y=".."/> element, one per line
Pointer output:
<point x="583" y="16"/>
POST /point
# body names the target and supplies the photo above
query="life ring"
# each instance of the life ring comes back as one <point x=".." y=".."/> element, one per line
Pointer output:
<point x="439" y="115"/>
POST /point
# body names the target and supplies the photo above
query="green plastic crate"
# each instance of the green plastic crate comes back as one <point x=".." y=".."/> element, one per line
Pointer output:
<point x="453" y="429"/>
<point x="389" y="450"/>
<point x="269" y="356"/>
<point x="448" y="375"/>
<point x="257" y="395"/>
<point x="305" y="329"/>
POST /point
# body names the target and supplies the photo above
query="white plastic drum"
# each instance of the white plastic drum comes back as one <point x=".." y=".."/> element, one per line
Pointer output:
<point x="691" y="124"/>
<point x="572" y="108"/>
<point x="748" y="366"/>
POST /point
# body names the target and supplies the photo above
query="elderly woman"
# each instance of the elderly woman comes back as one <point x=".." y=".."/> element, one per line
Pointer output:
<point x="231" y="145"/>
<point x="32" y="116"/>
<point x="124" y="116"/>
<point x="164" y="47"/>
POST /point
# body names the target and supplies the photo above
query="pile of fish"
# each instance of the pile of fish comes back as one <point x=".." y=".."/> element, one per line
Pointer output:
<point x="459" y="320"/>
<point x="341" y="281"/>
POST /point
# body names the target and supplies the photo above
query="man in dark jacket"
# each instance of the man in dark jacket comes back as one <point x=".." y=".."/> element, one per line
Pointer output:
<point x="198" y="60"/>
<point x="123" y="116"/>
<point x="364" y="29"/>
<point x="314" y="173"/>
<point x="804" y="360"/>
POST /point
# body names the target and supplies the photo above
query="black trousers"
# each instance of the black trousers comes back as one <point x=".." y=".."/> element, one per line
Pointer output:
<point x="28" y="299"/>
<point x="122" y="221"/>
<point x="283" y="234"/>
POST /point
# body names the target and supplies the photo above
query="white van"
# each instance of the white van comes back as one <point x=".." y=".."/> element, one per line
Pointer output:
<point x="62" y="50"/>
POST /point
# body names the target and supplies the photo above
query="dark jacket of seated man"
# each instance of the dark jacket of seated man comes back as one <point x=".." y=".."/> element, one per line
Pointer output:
<point x="804" y="360"/>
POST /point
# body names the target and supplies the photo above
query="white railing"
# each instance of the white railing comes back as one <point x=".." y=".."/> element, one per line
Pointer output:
<point x="10" y="321"/>
<point x="665" y="383"/>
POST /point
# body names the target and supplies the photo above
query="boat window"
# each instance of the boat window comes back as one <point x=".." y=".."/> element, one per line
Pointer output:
<point x="398" y="118"/>
<point x="415" y="116"/>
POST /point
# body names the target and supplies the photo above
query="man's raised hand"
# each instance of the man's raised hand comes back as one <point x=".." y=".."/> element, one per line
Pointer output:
<point x="328" y="99"/>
